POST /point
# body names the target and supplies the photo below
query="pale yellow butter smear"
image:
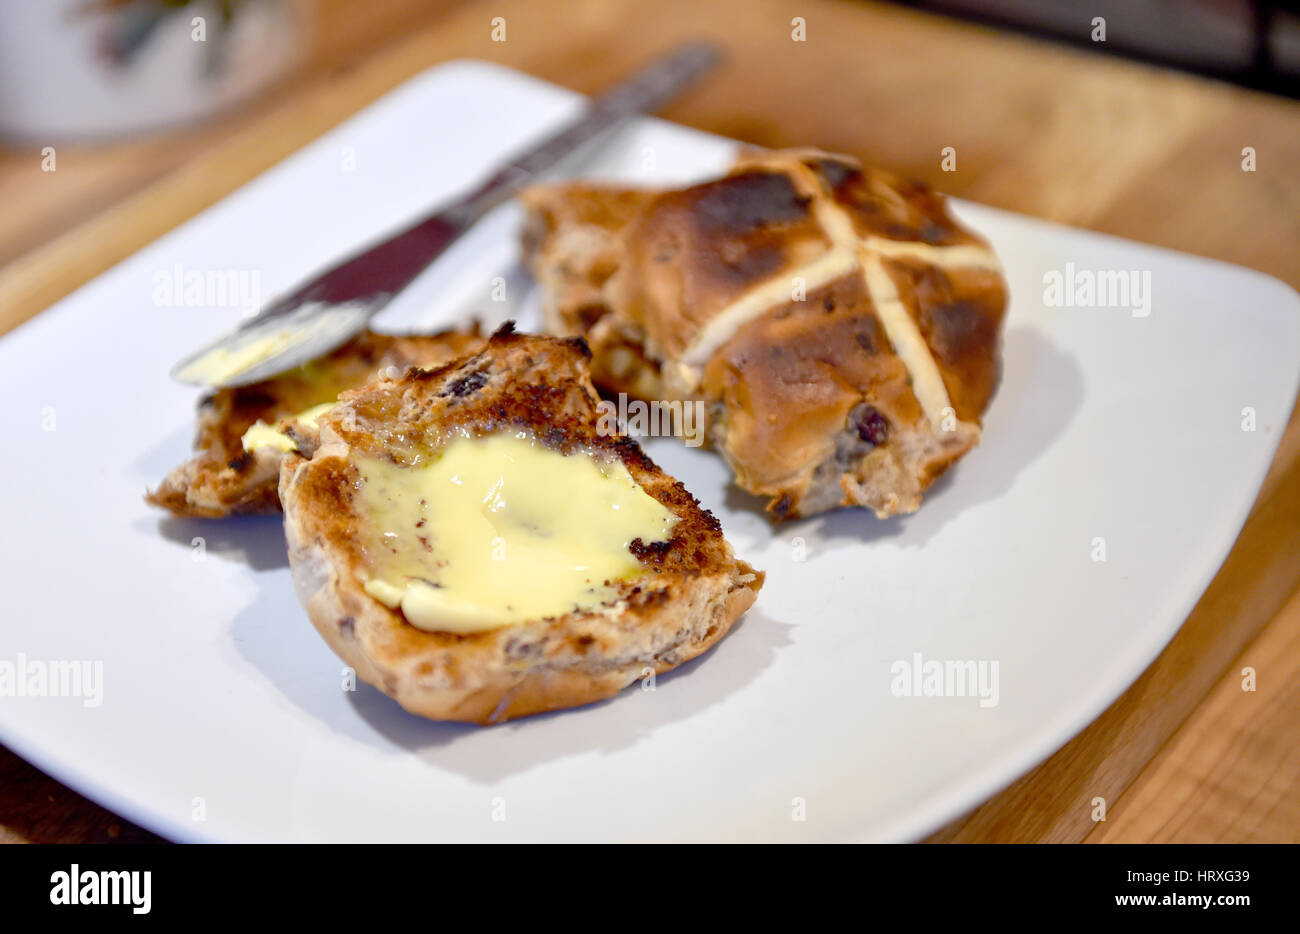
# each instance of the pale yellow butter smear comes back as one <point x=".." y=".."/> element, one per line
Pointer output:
<point x="502" y="529"/>
<point x="262" y="435"/>
<point x="221" y="364"/>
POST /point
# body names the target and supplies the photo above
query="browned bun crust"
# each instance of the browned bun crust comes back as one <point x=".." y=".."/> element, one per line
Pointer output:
<point x="223" y="479"/>
<point x="809" y="399"/>
<point x="693" y="590"/>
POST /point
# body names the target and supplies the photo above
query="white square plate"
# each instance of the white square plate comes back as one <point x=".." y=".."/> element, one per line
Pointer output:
<point x="222" y="715"/>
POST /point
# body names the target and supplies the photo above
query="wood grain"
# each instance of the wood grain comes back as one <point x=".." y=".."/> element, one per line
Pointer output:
<point x="36" y="809"/>
<point x="1090" y="141"/>
<point x="1245" y="744"/>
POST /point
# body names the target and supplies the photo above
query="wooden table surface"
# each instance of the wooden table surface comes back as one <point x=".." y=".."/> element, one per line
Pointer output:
<point x="1185" y="754"/>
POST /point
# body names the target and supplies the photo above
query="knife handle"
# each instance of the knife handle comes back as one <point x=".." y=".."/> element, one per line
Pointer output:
<point x="642" y="93"/>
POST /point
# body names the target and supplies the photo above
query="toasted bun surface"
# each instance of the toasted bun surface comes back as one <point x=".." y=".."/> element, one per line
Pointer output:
<point x="223" y="479"/>
<point x="868" y="320"/>
<point x="691" y="593"/>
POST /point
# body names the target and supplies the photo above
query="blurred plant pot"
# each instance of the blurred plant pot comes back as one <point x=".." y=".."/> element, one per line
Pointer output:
<point x="83" y="70"/>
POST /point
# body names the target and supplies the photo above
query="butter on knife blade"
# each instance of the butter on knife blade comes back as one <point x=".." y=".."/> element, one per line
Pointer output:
<point x="301" y="336"/>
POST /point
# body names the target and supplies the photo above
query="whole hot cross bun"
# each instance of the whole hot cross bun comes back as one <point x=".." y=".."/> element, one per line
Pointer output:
<point x="841" y="328"/>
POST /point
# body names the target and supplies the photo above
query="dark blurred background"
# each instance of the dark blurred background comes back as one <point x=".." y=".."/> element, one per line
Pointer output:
<point x="1255" y="43"/>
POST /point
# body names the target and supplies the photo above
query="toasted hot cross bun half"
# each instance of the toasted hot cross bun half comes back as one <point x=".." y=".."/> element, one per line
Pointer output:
<point x="687" y="592"/>
<point x="841" y="328"/>
<point x="224" y="479"/>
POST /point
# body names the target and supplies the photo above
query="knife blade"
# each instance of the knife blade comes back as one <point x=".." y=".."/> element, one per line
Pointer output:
<point x="334" y="306"/>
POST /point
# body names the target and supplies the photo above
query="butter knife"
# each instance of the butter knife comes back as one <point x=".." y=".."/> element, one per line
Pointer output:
<point x="336" y="305"/>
